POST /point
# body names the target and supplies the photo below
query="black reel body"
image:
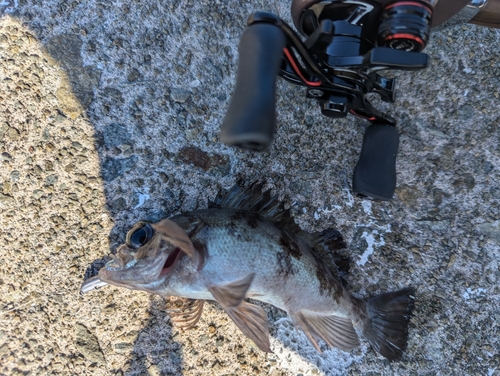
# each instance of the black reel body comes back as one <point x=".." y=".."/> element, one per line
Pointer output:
<point x="342" y="47"/>
<point x="352" y="41"/>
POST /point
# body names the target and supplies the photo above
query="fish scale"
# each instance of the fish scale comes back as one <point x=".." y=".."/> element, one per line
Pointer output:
<point x="246" y="245"/>
<point x="250" y="250"/>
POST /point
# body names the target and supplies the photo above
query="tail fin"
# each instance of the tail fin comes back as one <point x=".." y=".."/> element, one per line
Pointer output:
<point x="386" y="326"/>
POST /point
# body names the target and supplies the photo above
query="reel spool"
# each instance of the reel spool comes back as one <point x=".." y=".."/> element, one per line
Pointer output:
<point x="405" y="25"/>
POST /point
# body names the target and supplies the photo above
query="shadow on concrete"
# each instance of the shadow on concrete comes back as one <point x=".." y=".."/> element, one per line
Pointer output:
<point x="153" y="351"/>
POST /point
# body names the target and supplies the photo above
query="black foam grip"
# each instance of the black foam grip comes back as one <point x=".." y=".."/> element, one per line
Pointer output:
<point x="375" y="174"/>
<point x="250" y="120"/>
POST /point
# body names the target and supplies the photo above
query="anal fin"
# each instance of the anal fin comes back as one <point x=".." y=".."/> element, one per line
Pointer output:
<point x="336" y="331"/>
<point x="250" y="318"/>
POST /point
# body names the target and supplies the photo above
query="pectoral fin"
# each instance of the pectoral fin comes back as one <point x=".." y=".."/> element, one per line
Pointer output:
<point x="185" y="313"/>
<point x="232" y="294"/>
<point x="251" y="319"/>
<point x="334" y="330"/>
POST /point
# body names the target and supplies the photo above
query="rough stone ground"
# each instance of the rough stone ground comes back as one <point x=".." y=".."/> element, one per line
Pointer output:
<point x="109" y="113"/>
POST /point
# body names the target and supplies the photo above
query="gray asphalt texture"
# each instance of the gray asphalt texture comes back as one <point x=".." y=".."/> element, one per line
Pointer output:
<point x="110" y="113"/>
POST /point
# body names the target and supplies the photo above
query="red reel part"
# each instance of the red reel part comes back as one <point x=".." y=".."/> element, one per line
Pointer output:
<point x="405" y="25"/>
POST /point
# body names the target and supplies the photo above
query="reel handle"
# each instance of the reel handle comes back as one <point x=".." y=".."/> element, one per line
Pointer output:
<point x="250" y="120"/>
<point x="375" y="173"/>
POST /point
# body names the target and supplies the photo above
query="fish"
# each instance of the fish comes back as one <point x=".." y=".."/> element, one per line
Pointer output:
<point x="246" y="245"/>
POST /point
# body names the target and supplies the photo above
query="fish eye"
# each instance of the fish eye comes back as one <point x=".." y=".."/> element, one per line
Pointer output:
<point x="140" y="236"/>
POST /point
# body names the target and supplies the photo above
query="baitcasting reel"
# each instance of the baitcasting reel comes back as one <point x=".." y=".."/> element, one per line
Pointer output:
<point x="344" y="45"/>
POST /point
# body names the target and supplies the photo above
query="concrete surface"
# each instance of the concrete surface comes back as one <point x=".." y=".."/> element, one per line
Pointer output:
<point x="109" y="113"/>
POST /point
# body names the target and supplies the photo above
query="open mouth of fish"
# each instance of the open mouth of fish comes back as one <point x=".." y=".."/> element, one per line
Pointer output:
<point x="95" y="282"/>
<point x="170" y="262"/>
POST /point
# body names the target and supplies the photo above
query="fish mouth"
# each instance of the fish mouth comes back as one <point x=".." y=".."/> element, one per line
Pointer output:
<point x="92" y="283"/>
<point x="170" y="262"/>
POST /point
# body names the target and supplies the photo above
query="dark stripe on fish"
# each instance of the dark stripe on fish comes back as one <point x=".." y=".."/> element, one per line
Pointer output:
<point x="327" y="274"/>
<point x="291" y="245"/>
<point x="251" y="219"/>
<point x="285" y="264"/>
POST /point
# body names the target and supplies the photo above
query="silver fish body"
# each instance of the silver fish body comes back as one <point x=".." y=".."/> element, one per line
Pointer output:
<point x="247" y="247"/>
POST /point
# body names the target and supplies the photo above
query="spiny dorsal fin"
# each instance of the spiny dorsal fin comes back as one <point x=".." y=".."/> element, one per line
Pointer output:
<point x="326" y="243"/>
<point x="251" y="199"/>
<point x="254" y="200"/>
